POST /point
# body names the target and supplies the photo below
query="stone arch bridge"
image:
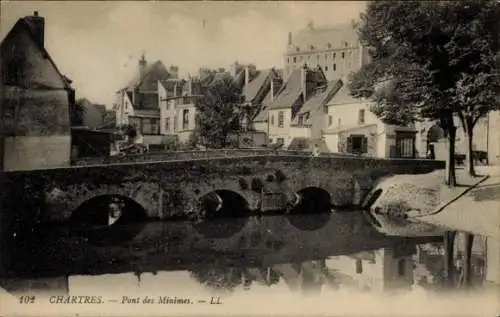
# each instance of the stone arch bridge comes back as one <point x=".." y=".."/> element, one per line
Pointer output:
<point x="168" y="188"/>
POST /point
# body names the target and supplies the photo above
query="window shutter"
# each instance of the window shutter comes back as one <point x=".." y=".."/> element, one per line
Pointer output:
<point x="349" y="144"/>
<point x="364" y="144"/>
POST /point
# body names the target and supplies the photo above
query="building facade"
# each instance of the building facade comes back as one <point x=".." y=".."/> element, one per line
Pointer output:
<point x="35" y="99"/>
<point x="353" y="128"/>
<point x="335" y="49"/>
<point x="137" y="104"/>
<point x="300" y="86"/>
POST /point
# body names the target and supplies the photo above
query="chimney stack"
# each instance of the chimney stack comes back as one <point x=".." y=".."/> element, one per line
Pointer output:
<point x="303" y="80"/>
<point x="174" y="71"/>
<point x="247" y="75"/>
<point x="142" y="65"/>
<point x="272" y="86"/>
<point x="36" y="25"/>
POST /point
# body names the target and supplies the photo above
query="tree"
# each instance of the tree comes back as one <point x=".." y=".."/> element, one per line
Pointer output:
<point x="77" y="112"/>
<point x="218" y="111"/>
<point x="433" y="60"/>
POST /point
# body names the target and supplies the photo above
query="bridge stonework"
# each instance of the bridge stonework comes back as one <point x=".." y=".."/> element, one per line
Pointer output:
<point x="164" y="189"/>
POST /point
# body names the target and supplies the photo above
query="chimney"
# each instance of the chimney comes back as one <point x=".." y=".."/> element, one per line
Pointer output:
<point x="247" y="75"/>
<point x="272" y="86"/>
<point x="142" y="65"/>
<point x="289" y="38"/>
<point x="37" y="28"/>
<point x="303" y="80"/>
<point x="174" y="71"/>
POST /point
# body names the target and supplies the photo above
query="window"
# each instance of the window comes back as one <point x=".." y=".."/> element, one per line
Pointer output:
<point x="357" y="144"/>
<point x="186" y="100"/>
<point x="295" y="59"/>
<point x="280" y="140"/>
<point x="406" y="146"/>
<point x="361" y="116"/>
<point x="167" y="124"/>
<point x="343" y="54"/>
<point x="359" y="267"/>
<point x="272" y="120"/>
<point x="346" y="44"/>
<point x="339" y="122"/>
<point x="297" y="49"/>
<point x="175" y="124"/>
<point x="329" y="45"/>
<point x="326" y="56"/>
<point x="281" y="119"/>
<point x="185" y="119"/>
<point x="301" y="120"/>
<point x="150" y="126"/>
<point x="301" y="58"/>
<point x="334" y="55"/>
<point x="330" y="120"/>
<point x="334" y="67"/>
<point x="317" y="57"/>
<point x="288" y="60"/>
<point x="401" y="267"/>
<point x="326" y="68"/>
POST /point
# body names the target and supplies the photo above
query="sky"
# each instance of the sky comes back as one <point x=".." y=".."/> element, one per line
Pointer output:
<point x="98" y="44"/>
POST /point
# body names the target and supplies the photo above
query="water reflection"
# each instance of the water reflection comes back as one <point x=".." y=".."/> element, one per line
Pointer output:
<point x="269" y="252"/>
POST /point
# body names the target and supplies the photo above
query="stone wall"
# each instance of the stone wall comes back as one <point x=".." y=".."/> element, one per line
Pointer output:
<point x="167" y="188"/>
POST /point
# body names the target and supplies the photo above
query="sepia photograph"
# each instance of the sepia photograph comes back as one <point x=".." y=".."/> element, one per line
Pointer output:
<point x="250" y="158"/>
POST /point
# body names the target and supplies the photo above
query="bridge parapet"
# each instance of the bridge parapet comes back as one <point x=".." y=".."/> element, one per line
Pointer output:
<point x="190" y="155"/>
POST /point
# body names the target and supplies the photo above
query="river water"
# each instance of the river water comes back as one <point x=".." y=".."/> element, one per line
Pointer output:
<point x="301" y="254"/>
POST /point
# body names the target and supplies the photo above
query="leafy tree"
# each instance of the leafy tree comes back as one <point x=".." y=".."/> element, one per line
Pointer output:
<point x="433" y="60"/>
<point x="218" y="111"/>
<point x="77" y="113"/>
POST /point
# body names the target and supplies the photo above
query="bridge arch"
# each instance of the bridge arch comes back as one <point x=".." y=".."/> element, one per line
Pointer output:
<point x="312" y="209"/>
<point x="223" y="213"/>
<point x="96" y="210"/>
<point x="108" y="219"/>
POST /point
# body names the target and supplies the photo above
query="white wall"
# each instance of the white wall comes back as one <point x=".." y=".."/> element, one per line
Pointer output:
<point x="260" y="126"/>
<point x="494" y="137"/>
<point x="348" y="115"/>
<point x="275" y="131"/>
<point x="27" y="153"/>
<point x="300" y="132"/>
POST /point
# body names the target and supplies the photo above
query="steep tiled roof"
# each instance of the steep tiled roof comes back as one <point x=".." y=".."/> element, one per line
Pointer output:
<point x="11" y="58"/>
<point x="343" y="97"/>
<point x="290" y="92"/>
<point x="149" y="79"/>
<point x="321" y="96"/>
<point x="319" y="38"/>
<point x="253" y="87"/>
<point x="171" y="83"/>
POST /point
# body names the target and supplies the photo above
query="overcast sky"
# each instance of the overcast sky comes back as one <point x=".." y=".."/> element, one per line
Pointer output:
<point x="97" y="44"/>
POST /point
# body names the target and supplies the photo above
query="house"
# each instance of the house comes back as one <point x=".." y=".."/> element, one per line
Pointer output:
<point x="35" y="101"/>
<point x="353" y="128"/>
<point x="430" y="134"/>
<point x="380" y="270"/>
<point x="310" y="122"/>
<point x="289" y="100"/>
<point x="137" y="103"/>
<point x="258" y="92"/>
<point x="336" y="49"/>
<point x="94" y="114"/>
<point x="177" y="106"/>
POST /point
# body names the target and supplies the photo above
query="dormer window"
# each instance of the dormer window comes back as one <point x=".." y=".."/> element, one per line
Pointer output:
<point x="311" y="47"/>
<point x="329" y="45"/>
<point x="346" y="44"/>
<point x="297" y="49"/>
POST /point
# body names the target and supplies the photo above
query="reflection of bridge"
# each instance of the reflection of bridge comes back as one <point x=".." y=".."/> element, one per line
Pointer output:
<point x="163" y="246"/>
